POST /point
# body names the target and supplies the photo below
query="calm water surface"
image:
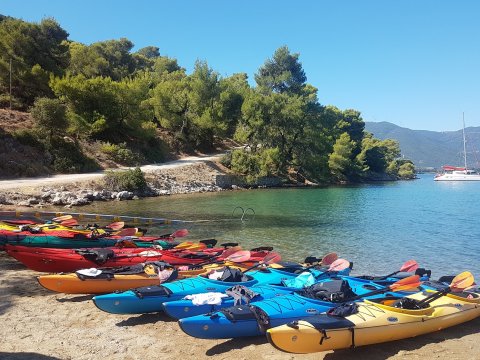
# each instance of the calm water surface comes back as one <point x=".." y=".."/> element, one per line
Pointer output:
<point x="378" y="227"/>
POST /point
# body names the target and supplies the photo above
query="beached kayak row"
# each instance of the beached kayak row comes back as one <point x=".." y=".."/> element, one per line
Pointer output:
<point x="222" y="291"/>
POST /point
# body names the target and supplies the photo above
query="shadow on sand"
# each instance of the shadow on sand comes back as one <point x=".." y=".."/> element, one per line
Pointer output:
<point x="232" y="344"/>
<point x="79" y="298"/>
<point x="17" y="281"/>
<point x="145" y="319"/>
<point x="25" y="356"/>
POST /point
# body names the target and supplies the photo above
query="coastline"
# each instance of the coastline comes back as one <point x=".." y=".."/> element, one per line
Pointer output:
<point x="190" y="175"/>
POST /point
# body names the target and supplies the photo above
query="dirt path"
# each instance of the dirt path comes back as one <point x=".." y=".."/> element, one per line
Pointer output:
<point x="70" y="178"/>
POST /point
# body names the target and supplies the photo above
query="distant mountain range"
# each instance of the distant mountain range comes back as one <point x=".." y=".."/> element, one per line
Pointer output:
<point x="431" y="148"/>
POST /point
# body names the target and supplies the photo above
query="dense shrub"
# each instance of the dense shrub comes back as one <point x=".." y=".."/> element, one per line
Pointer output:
<point x="68" y="158"/>
<point x="28" y="137"/>
<point x="130" y="180"/>
<point x="120" y="153"/>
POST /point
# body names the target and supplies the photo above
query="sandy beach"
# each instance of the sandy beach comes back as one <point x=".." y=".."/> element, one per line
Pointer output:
<point x="39" y="324"/>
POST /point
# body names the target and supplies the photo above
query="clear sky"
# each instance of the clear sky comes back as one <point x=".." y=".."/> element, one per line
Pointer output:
<point x="415" y="63"/>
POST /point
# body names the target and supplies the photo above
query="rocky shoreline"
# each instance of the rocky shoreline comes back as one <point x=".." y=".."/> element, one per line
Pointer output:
<point x="188" y="179"/>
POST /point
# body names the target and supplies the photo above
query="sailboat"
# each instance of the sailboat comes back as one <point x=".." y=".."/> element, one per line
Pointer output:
<point x="454" y="173"/>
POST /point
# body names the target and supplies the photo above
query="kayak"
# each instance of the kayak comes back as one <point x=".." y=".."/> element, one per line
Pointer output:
<point x="58" y="229"/>
<point x="68" y="260"/>
<point x="150" y="299"/>
<point x="253" y="320"/>
<point x="377" y="321"/>
<point x="116" y="280"/>
<point x="109" y="280"/>
<point x="183" y="308"/>
<point x="79" y="241"/>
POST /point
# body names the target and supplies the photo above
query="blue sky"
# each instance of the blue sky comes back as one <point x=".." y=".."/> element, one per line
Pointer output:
<point x="413" y="63"/>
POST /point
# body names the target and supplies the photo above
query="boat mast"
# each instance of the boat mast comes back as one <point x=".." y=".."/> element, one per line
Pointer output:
<point x="464" y="142"/>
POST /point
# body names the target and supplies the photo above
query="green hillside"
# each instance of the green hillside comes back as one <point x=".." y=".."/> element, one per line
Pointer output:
<point x="431" y="148"/>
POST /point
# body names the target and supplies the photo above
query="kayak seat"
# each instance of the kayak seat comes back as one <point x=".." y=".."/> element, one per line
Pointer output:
<point x="99" y="256"/>
<point x="102" y="275"/>
<point x="238" y="313"/>
<point x="147" y="291"/>
<point x="291" y="267"/>
<point x="246" y="312"/>
<point x="409" y="304"/>
<point x="335" y="290"/>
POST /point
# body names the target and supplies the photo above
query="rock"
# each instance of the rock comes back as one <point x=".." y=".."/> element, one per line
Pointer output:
<point x="46" y="195"/>
<point x="33" y="201"/>
<point x="124" y="195"/>
<point x="79" y="202"/>
<point x="24" y="203"/>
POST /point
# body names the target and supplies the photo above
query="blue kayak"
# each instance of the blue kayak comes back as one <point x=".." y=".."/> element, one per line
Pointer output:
<point x="183" y="308"/>
<point x="150" y="299"/>
<point x="253" y="320"/>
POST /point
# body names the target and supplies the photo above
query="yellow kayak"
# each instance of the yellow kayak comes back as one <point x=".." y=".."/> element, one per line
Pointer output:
<point x="53" y="228"/>
<point x="377" y="321"/>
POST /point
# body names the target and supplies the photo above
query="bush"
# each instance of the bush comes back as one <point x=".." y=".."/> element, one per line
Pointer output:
<point x="120" y="153"/>
<point x="68" y="158"/>
<point x="129" y="180"/>
<point x="50" y="115"/>
<point x="28" y="137"/>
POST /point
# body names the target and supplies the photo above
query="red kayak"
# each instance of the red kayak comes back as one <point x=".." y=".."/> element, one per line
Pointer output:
<point x="69" y="260"/>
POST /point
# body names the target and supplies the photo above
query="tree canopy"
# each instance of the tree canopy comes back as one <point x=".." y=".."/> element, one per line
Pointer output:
<point x="109" y="93"/>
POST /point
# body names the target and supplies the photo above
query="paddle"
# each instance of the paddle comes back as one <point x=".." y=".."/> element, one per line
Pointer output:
<point x="329" y="259"/>
<point x="69" y="222"/>
<point x="270" y="258"/>
<point x="408" y="266"/>
<point x="337" y="265"/>
<point x="236" y="257"/>
<point x="223" y="256"/>
<point x="176" y="234"/>
<point x="326" y="260"/>
<point x="116" y="225"/>
<point x="62" y="218"/>
<point x="458" y="284"/>
<point x="126" y="232"/>
<point x="407" y="283"/>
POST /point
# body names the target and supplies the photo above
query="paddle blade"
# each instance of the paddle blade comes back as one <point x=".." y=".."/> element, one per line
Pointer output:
<point x="339" y="265"/>
<point x="407" y="283"/>
<point x="62" y="218"/>
<point x="127" y="232"/>
<point x="227" y="252"/>
<point x="329" y="259"/>
<point x="196" y="246"/>
<point x="116" y="225"/>
<point x="462" y="281"/>
<point x="239" y="256"/>
<point x="184" y="245"/>
<point x="409" y="266"/>
<point x="179" y="233"/>
<point x="271" y="258"/>
<point x="69" y="222"/>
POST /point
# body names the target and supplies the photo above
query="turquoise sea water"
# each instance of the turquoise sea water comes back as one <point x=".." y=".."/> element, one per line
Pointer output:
<point x="378" y="226"/>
